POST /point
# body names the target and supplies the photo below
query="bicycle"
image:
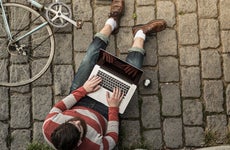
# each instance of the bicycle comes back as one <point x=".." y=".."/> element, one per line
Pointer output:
<point x="27" y="40"/>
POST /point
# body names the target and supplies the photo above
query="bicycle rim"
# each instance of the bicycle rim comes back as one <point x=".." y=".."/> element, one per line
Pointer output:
<point x="24" y="61"/>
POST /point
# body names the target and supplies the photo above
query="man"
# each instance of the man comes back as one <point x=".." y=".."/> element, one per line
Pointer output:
<point x="79" y="122"/>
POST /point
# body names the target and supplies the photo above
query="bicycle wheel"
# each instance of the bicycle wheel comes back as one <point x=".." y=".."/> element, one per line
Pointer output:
<point x="25" y="60"/>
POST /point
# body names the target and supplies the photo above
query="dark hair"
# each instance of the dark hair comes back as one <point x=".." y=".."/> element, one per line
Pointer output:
<point x="65" y="137"/>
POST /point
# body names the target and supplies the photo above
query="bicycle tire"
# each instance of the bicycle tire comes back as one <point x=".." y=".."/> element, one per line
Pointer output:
<point x="27" y="60"/>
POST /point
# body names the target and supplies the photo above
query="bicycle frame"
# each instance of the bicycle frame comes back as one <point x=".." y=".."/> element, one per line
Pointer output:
<point x="39" y="6"/>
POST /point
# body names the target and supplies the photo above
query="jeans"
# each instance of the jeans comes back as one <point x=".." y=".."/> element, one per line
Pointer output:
<point x="134" y="57"/>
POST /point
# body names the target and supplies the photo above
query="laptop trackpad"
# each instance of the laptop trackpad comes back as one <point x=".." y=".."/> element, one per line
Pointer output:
<point x="100" y="95"/>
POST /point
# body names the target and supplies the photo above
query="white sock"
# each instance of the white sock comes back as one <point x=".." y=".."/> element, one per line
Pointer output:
<point x="112" y="23"/>
<point x="140" y="34"/>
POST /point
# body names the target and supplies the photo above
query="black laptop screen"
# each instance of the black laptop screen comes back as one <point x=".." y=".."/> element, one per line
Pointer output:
<point x="119" y="67"/>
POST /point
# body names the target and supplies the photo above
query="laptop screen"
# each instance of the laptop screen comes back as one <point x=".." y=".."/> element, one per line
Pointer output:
<point x="119" y="67"/>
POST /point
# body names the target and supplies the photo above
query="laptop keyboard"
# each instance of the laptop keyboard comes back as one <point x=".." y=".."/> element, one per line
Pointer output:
<point x="110" y="83"/>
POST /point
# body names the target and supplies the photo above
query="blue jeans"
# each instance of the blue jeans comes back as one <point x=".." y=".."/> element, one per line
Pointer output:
<point x="134" y="57"/>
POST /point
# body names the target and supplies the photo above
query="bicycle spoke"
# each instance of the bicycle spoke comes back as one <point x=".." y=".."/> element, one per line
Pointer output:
<point x="21" y="22"/>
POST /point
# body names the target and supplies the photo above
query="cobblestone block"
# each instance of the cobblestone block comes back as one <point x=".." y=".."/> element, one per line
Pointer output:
<point x="167" y="43"/>
<point x="3" y="135"/>
<point x="37" y="132"/>
<point x="226" y="67"/>
<point x="217" y="124"/>
<point x="228" y="99"/>
<point x="67" y="29"/>
<point x="19" y="74"/>
<point x="189" y="56"/>
<point x="173" y="132"/>
<point x="82" y="10"/>
<point x="4" y="54"/>
<point x="63" y="76"/>
<point x="213" y="96"/>
<point x="207" y="8"/>
<point x="46" y="78"/>
<point x="130" y="134"/>
<point x="44" y="49"/>
<point x="21" y="138"/>
<point x="168" y="68"/>
<point x="166" y="10"/>
<point x="63" y="50"/>
<point x="190" y="78"/>
<point x="42" y="102"/>
<point x="211" y="64"/>
<point x="153" y="139"/>
<point x="151" y="52"/>
<point x="192" y="112"/>
<point x="100" y="17"/>
<point x="19" y="59"/>
<point x="4" y="71"/>
<point x="21" y="89"/>
<point x="4" y="101"/>
<point x="58" y="98"/>
<point x="194" y="136"/>
<point x="171" y="103"/>
<point x="225" y="37"/>
<point x="224" y="14"/>
<point x="141" y="12"/>
<point x="66" y="1"/>
<point x="186" y="6"/>
<point x="124" y="39"/>
<point x="103" y="2"/>
<point x="151" y="112"/>
<point x="127" y="19"/>
<point x="20" y="111"/>
<point x="132" y="110"/>
<point x="145" y="2"/>
<point x="209" y="33"/>
<point x="188" y="29"/>
<point x="111" y="45"/>
<point x="82" y="38"/>
<point x="153" y="87"/>
<point x="2" y="34"/>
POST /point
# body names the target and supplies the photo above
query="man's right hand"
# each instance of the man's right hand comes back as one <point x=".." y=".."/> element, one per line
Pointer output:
<point x="91" y="85"/>
<point x="116" y="97"/>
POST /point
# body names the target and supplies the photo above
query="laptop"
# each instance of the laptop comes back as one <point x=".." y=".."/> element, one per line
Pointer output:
<point x="115" y="73"/>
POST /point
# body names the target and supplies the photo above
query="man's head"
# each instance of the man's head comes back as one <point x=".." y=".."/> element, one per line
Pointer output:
<point x="69" y="134"/>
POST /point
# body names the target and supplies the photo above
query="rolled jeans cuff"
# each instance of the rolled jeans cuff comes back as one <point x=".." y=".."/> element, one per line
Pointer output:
<point x="102" y="37"/>
<point x="136" y="49"/>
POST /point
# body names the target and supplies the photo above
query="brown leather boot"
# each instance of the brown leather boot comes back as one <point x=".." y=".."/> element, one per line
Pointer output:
<point x="116" y="11"/>
<point x="150" y="27"/>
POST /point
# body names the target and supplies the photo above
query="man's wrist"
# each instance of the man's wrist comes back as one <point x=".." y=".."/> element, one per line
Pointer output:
<point x="113" y="113"/>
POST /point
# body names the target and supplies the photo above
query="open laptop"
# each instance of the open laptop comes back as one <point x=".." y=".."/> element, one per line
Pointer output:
<point x="115" y="73"/>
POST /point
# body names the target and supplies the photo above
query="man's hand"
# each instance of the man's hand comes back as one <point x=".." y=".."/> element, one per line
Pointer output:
<point x="116" y="97"/>
<point x="91" y="85"/>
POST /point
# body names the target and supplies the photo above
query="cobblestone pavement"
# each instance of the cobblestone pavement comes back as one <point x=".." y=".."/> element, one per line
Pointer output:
<point x="186" y="106"/>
